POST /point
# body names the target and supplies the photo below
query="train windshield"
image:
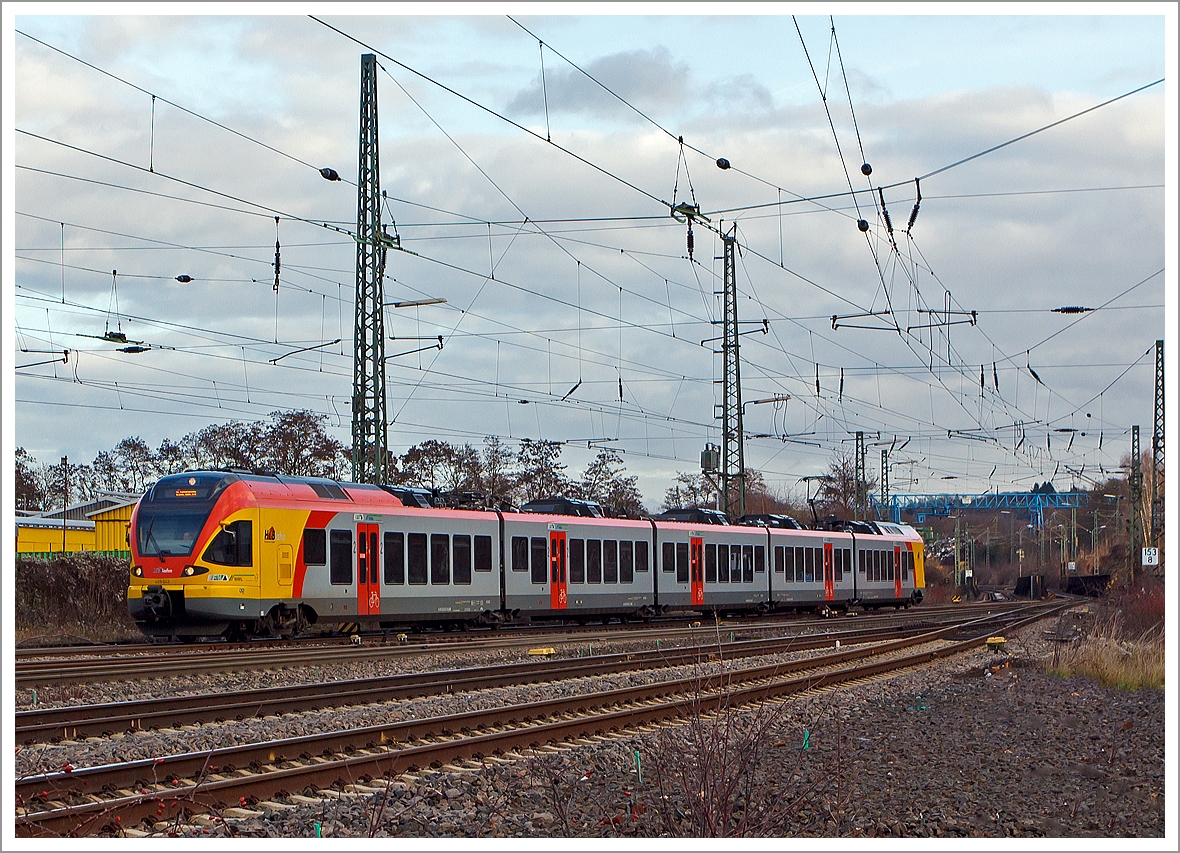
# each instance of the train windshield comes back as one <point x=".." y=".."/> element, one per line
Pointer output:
<point x="172" y="514"/>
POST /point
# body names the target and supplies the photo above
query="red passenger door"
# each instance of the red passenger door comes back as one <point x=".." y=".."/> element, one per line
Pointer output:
<point x="368" y="589"/>
<point x="829" y="582"/>
<point x="897" y="570"/>
<point x="696" y="569"/>
<point x="557" y="577"/>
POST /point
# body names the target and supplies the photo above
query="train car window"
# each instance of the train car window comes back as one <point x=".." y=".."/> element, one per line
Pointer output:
<point x="838" y="564"/>
<point x="610" y="561"/>
<point x="860" y="560"/>
<point x="483" y="553"/>
<point x="232" y="546"/>
<point x="669" y="561"/>
<point x="681" y="562"/>
<point x="520" y="553"/>
<point x="779" y="560"/>
<point x="710" y="563"/>
<point x="748" y="563"/>
<point x="440" y="558"/>
<point x="626" y="562"/>
<point x="315" y="548"/>
<point x="577" y="561"/>
<point x="760" y="558"/>
<point x="889" y="562"/>
<point x="641" y="555"/>
<point x="722" y="564"/>
<point x="461" y="557"/>
<point x="373" y="557"/>
<point x="735" y="563"/>
<point x="594" y="561"/>
<point x="809" y="565"/>
<point x="847" y="552"/>
<point x="340" y="571"/>
<point x="395" y="558"/>
<point x="416" y="551"/>
<point x="540" y="550"/>
<point x="874" y="565"/>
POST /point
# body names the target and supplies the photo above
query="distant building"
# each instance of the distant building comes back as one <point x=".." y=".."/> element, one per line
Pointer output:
<point x="101" y="525"/>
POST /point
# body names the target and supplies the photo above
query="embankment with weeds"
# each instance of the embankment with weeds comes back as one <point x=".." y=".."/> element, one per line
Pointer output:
<point x="78" y="595"/>
<point x="1124" y="648"/>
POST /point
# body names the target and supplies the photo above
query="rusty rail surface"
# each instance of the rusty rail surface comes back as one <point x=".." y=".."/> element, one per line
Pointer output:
<point x="121" y="663"/>
<point x="121" y="795"/>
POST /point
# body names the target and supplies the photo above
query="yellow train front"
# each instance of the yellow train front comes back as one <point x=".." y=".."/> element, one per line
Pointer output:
<point x="221" y="552"/>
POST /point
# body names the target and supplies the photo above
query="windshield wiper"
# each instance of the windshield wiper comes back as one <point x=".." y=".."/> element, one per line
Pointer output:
<point x="148" y="538"/>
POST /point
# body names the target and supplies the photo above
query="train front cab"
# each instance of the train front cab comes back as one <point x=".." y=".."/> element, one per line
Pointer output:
<point x="194" y="556"/>
<point x="889" y="567"/>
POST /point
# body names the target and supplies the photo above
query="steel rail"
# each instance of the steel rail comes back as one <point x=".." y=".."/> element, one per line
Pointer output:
<point x="76" y="721"/>
<point x="39" y="673"/>
<point x="394" y="754"/>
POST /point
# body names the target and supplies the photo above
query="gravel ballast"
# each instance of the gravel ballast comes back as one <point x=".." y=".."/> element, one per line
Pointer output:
<point x="986" y="745"/>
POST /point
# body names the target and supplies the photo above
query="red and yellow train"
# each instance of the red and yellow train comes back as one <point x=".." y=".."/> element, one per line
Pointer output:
<point x="241" y="554"/>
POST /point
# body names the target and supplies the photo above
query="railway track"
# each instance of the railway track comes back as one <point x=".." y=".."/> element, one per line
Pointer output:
<point x="105" y="799"/>
<point x="35" y="670"/>
<point x="79" y="721"/>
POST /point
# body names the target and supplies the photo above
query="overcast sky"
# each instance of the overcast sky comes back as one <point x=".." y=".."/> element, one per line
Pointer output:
<point x="596" y="290"/>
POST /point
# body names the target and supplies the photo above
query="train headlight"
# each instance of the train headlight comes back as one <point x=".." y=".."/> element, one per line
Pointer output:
<point x="189" y="571"/>
<point x="137" y="571"/>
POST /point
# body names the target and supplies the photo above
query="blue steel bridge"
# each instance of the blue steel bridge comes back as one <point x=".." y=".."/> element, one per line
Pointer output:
<point x="946" y="504"/>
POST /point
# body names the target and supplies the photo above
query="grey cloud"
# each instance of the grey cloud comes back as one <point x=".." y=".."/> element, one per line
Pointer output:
<point x="648" y="79"/>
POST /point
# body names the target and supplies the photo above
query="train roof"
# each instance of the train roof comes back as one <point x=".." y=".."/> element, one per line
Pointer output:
<point x="694" y="515"/>
<point x="564" y="506"/>
<point x="209" y="484"/>
<point x="770" y="520"/>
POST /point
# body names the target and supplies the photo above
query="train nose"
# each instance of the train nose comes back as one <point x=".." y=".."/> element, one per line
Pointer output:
<point x="157" y="602"/>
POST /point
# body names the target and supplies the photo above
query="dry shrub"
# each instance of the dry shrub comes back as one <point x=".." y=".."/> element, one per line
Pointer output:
<point x="1126" y="647"/>
<point x="78" y="593"/>
<point x="711" y="779"/>
<point x="1139" y="612"/>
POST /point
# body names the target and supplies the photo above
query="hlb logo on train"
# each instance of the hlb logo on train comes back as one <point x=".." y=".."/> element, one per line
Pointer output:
<point x="269" y="534"/>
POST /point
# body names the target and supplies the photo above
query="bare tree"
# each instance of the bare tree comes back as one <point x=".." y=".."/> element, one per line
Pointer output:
<point x="295" y="443"/>
<point x="439" y="466"/>
<point x="496" y="470"/>
<point x="604" y="481"/>
<point x="541" y="471"/>
<point x="838" y="491"/>
<point x="30" y="484"/>
<point x="233" y="444"/>
<point x="689" y="490"/>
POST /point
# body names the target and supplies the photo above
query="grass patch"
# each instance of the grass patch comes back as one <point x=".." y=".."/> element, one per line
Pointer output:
<point x="1127" y="665"/>
<point x="1125" y="648"/>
